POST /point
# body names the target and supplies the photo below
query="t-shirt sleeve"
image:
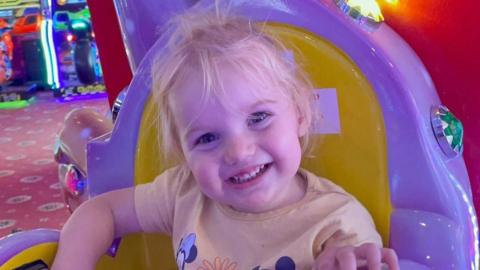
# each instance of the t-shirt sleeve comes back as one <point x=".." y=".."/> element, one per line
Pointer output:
<point x="155" y="202"/>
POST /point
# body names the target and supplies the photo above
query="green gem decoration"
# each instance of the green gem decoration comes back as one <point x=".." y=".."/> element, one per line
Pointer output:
<point x="448" y="131"/>
<point x="452" y="129"/>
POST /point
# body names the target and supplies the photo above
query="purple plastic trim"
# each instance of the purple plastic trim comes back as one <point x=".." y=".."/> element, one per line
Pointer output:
<point x="415" y="224"/>
<point x="112" y="251"/>
<point x="149" y="28"/>
<point x="15" y="243"/>
<point x="114" y="158"/>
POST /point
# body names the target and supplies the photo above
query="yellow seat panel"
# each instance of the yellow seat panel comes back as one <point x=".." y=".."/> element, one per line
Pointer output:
<point x="356" y="159"/>
<point x="45" y="252"/>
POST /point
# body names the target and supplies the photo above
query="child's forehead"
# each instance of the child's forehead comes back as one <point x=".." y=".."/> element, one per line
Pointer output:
<point x="227" y="85"/>
<point x="234" y="96"/>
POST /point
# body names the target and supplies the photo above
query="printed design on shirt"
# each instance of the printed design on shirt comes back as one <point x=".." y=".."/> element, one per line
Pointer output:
<point x="218" y="264"/>
<point x="284" y="263"/>
<point x="187" y="251"/>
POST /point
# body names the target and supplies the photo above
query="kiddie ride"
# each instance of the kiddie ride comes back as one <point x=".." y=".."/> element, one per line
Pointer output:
<point x="79" y="67"/>
<point x="386" y="138"/>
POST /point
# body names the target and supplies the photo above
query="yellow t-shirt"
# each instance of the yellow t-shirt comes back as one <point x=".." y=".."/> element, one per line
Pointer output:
<point x="207" y="233"/>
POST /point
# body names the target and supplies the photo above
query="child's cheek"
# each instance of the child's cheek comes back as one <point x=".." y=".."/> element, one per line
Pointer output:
<point x="204" y="169"/>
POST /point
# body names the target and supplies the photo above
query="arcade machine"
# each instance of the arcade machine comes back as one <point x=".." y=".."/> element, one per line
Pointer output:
<point x="6" y="53"/>
<point x="78" y="65"/>
<point x="21" y="64"/>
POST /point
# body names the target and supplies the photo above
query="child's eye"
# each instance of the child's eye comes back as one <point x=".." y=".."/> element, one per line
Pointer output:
<point x="206" y="138"/>
<point x="257" y="117"/>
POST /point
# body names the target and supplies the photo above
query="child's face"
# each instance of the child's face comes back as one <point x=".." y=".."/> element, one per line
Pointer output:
<point x="247" y="155"/>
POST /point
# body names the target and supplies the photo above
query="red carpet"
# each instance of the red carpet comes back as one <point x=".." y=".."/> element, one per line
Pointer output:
<point x="29" y="190"/>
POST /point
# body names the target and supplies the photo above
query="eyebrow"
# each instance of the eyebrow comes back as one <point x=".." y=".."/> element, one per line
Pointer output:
<point x="263" y="101"/>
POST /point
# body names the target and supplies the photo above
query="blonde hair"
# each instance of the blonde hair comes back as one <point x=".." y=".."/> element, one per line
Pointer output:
<point x="201" y="40"/>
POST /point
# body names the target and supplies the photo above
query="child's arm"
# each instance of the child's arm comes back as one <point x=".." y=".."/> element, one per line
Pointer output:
<point x="369" y="256"/>
<point x="90" y="230"/>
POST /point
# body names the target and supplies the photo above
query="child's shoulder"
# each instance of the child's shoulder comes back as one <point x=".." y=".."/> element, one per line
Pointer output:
<point x="179" y="171"/>
<point x="174" y="178"/>
<point x="318" y="184"/>
<point x="330" y="197"/>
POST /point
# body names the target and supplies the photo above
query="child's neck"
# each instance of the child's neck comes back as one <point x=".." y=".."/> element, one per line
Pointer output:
<point x="297" y="192"/>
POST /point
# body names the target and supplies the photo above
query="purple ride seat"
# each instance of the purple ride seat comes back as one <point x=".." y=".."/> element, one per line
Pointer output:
<point x="432" y="223"/>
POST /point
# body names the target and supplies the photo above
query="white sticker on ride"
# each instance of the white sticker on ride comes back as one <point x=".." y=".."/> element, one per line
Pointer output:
<point x="326" y="103"/>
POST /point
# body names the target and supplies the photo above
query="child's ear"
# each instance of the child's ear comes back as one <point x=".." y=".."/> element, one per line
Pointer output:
<point x="303" y="125"/>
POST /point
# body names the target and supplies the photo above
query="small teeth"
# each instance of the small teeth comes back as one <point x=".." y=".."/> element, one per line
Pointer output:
<point x="248" y="176"/>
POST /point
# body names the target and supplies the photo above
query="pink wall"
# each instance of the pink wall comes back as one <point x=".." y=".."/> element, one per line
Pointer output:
<point x="116" y="71"/>
<point x="446" y="36"/>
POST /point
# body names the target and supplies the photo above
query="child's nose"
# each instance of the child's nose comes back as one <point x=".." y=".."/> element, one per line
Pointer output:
<point x="238" y="150"/>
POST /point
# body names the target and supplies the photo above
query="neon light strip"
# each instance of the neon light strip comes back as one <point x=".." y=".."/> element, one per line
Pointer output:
<point x="82" y="97"/>
<point x="49" y="53"/>
<point x="53" y="54"/>
<point x="10" y="7"/>
<point x="52" y="49"/>
<point x="46" y="52"/>
<point x="17" y="104"/>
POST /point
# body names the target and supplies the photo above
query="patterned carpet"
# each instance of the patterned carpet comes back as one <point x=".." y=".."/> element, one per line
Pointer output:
<point x="30" y="194"/>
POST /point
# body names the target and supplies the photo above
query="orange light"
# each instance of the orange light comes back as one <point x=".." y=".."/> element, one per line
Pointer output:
<point x="391" y="2"/>
<point x="69" y="37"/>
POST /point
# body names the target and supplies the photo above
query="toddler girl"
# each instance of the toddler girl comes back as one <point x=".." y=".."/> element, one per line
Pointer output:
<point x="236" y="113"/>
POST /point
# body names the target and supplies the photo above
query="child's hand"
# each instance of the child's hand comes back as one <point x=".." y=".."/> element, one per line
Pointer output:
<point x="367" y="256"/>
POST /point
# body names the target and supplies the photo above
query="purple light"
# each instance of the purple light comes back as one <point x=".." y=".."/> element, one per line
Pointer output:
<point x="82" y="97"/>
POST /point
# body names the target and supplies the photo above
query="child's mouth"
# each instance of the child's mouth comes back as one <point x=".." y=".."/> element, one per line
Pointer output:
<point x="247" y="177"/>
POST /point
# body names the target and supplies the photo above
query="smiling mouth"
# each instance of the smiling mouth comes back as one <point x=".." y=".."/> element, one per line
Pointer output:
<point x="240" y="179"/>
